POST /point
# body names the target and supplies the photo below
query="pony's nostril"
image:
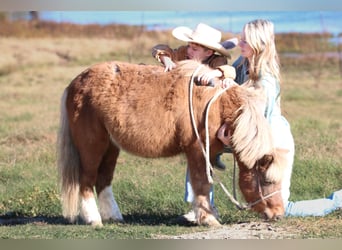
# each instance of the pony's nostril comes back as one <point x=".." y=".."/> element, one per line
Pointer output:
<point x="270" y="215"/>
<point x="266" y="216"/>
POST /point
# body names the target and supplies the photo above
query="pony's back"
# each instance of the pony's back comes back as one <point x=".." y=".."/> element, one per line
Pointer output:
<point x="140" y="103"/>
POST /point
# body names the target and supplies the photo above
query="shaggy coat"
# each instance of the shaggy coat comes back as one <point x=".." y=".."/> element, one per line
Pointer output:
<point x="145" y="111"/>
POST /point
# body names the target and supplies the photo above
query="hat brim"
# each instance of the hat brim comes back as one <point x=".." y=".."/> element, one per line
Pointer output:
<point x="184" y="34"/>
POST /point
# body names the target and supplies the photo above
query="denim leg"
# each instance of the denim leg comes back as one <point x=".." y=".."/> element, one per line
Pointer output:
<point x="189" y="193"/>
<point x="318" y="207"/>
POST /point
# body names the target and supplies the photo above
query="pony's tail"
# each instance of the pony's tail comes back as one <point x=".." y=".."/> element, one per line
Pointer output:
<point x="68" y="166"/>
<point x="252" y="137"/>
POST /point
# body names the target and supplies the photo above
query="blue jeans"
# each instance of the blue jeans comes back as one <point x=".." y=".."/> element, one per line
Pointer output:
<point x="189" y="193"/>
<point x="318" y="207"/>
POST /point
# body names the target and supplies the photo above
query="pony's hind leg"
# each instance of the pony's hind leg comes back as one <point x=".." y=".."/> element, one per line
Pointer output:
<point x="109" y="209"/>
<point x="89" y="212"/>
<point x="88" y="209"/>
<point x="91" y="155"/>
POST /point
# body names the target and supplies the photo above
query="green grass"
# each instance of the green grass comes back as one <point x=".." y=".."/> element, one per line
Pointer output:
<point x="149" y="192"/>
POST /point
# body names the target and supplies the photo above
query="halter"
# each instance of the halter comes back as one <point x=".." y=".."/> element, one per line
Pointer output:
<point x="250" y="204"/>
<point x="262" y="197"/>
<point x="207" y="157"/>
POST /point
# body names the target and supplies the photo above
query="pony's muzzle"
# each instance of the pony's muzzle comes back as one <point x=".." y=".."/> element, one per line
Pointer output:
<point x="270" y="215"/>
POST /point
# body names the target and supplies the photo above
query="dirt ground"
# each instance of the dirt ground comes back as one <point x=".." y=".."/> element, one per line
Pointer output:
<point x="251" y="230"/>
<point x="246" y="230"/>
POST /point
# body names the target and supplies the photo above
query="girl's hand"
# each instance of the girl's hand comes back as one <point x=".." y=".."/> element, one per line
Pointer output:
<point x="223" y="134"/>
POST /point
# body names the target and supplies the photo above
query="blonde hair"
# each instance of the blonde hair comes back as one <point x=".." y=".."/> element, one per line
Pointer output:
<point x="259" y="34"/>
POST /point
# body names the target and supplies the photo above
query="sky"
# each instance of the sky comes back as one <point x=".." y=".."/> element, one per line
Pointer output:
<point x="209" y="5"/>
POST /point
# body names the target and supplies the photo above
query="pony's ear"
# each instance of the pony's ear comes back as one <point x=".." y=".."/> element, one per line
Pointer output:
<point x="265" y="162"/>
<point x="275" y="171"/>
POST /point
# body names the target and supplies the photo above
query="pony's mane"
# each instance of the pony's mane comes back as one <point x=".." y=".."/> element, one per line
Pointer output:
<point x="252" y="142"/>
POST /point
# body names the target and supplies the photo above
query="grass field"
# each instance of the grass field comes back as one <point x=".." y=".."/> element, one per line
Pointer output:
<point x="33" y="74"/>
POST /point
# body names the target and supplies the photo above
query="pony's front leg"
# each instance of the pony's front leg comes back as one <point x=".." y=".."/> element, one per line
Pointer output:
<point x="201" y="188"/>
<point x="204" y="211"/>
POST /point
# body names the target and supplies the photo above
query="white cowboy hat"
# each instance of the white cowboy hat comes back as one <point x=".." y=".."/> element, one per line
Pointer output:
<point x="205" y="36"/>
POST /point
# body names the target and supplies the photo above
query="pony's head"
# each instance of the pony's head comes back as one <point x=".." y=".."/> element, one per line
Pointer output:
<point x="261" y="185"/>
<point x="261" y="165"/>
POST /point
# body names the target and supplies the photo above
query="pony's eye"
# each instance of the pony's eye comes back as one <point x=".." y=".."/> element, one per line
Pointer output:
<point x="268" y="182"/>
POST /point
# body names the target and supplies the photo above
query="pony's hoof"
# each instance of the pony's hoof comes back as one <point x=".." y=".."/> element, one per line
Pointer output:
<point x="210" y="221"/>
<point x="213" y="223"/>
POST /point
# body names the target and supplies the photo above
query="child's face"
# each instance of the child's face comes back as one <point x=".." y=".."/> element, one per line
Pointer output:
<point x="198" y="52"/>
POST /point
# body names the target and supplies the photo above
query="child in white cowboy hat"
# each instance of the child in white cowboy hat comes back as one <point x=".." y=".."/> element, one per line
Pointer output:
<point x="204" y="45"/>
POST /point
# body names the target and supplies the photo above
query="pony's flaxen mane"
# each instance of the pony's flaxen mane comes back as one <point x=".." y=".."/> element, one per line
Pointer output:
<point x="252" y="142"/>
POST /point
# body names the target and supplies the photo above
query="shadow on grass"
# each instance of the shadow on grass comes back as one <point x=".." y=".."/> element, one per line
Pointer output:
<point x="13" y="219"/>
<point x="155" y="220"/>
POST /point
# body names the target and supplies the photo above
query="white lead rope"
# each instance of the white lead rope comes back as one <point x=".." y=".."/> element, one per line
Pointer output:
<point x="207" y="143"/>
<point x="206" y="151"/>
<point x="191" y="107"/>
